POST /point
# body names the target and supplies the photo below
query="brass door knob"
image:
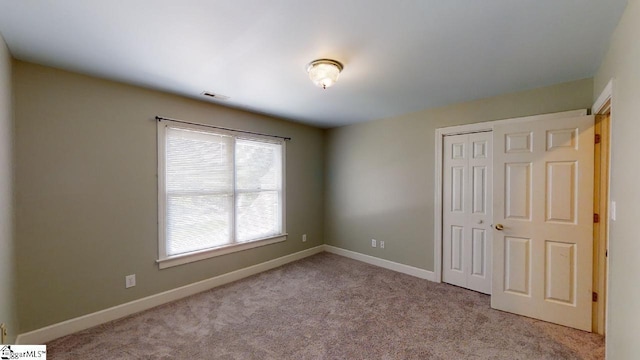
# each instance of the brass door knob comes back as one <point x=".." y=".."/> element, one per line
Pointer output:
<point x="499" y="227"/>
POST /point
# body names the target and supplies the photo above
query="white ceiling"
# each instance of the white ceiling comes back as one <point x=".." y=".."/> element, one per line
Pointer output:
<point x="400" y="56"/>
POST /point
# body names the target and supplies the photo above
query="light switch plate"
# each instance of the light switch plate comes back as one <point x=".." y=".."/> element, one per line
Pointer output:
<point x="612" y="211"/>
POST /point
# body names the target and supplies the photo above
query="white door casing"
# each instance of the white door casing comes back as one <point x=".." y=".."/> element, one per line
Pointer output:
<point x="467" y="211"/>
<point x="543" y="197"/>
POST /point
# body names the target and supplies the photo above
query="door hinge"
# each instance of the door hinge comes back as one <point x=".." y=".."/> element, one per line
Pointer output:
<point x="596" y="218"/>
<point x="594" y="296"/>
<point x="597" y="138"/>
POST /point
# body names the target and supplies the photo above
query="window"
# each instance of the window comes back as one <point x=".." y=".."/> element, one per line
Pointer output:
<point x="218" y="192"/>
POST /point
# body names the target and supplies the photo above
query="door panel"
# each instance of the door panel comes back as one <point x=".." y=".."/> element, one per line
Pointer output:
<point x="517" y="197"/>
<point x="518" y="142"/>
<point x="457" y="188"/>
<point x="561" y="191"/>
<point x="467" y="211"/>
<point x="457" y="239"/>
<point x="543" y="190"/>
<point x="517" y="261"/>
<point x="479" y="189"/>
<point x="478" y="262"/>
<point x="559" y="271"/>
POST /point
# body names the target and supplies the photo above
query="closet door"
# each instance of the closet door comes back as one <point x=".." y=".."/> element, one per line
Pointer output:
<point x="467" y="211"/>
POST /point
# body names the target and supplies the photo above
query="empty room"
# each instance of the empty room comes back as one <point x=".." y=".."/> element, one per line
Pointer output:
<point x="319" y="180"/>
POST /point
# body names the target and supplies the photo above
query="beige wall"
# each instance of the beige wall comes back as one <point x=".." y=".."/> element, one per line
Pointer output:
<point x="8" y="311"/>
<point x="86" y="192"/>
<point x="622" y="63"/>
<point x="85" y="188"/>
<point x="380" y="175"/>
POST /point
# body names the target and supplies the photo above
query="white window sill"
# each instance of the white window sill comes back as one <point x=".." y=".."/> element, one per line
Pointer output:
<point x="222" y="250"/>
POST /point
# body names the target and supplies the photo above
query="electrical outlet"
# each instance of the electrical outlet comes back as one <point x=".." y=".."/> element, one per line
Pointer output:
<point x="304" y="237"/>
<point x="382" y="244"/>
<point x="130" y="281"/>
<point x="374" y="243"/>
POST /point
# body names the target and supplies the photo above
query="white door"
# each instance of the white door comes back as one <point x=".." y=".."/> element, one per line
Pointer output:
<point x="467" y="234"/>
<point x="543" y="219"/>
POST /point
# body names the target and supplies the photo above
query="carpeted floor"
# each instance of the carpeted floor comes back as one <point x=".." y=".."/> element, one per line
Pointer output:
<point x="329" y="307"/>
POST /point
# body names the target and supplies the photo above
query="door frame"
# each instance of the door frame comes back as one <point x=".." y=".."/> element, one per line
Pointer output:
<point x="603" y="106"/>
<point x="438" y="190"/>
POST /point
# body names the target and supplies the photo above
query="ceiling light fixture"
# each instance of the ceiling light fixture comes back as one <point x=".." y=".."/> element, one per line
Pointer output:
<point x="324" y="72"/>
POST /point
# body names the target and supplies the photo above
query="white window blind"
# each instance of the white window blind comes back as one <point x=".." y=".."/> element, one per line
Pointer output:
<point x="217" y="189"/>
<point x="258" y="188"/>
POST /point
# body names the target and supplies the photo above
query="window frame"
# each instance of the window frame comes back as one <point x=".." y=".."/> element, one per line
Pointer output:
<point x="165" y="261"/>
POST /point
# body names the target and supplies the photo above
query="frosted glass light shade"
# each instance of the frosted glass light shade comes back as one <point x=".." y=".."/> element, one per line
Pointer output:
<point x="324" y="72"/>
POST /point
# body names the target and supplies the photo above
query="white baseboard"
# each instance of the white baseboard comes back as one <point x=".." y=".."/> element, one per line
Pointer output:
<point x="71" y="326"/>
<point x="405" y="269"/>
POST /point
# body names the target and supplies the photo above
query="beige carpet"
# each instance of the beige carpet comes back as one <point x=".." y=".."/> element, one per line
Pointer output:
<point x="329" y="307"/>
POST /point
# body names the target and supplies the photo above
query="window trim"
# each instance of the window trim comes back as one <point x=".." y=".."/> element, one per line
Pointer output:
<point x="217" y="251"/>
<point x="165" y="261"/>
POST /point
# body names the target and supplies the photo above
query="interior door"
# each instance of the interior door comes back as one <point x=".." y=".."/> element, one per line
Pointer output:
<point x="467" y="211"/>
<point x="543" y="219"/>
